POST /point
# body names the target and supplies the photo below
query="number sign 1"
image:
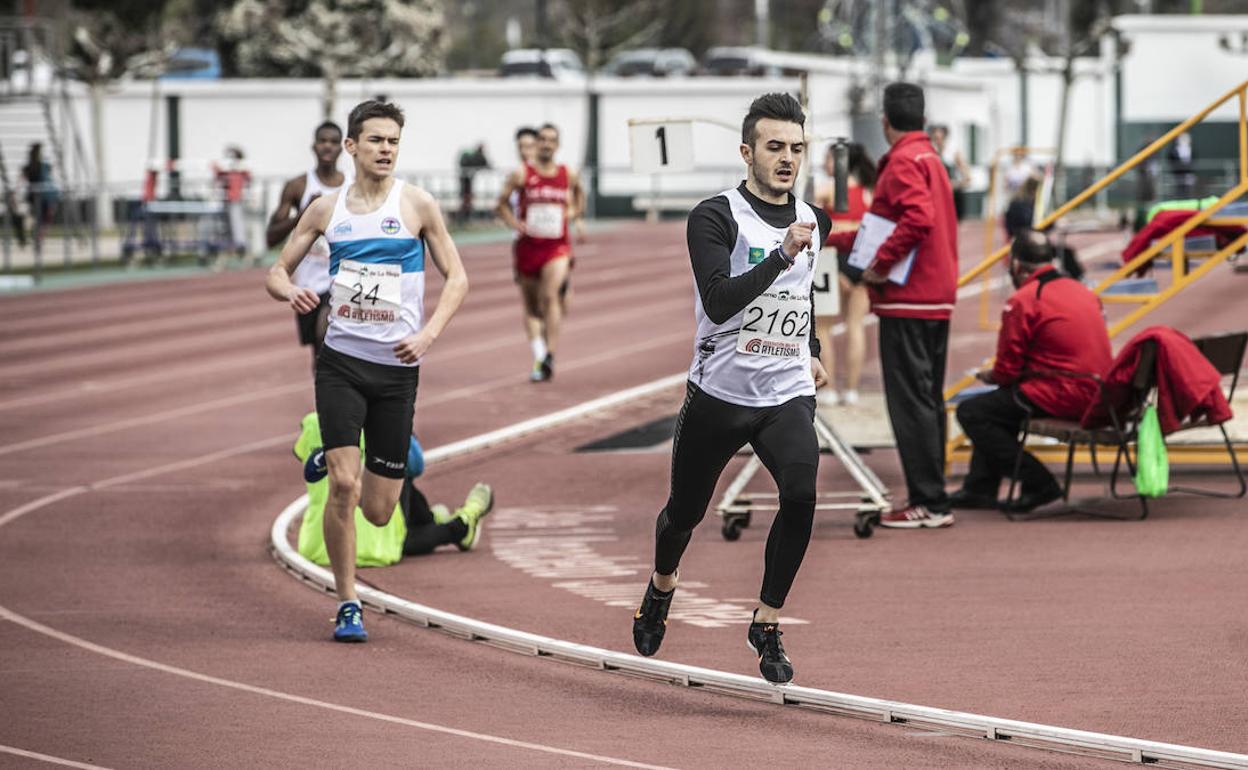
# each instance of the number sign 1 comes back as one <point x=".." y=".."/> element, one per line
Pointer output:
<point x="661" y="147"/>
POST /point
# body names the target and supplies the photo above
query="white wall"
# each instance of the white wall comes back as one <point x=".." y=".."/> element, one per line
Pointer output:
<point x="1176" y="66"/>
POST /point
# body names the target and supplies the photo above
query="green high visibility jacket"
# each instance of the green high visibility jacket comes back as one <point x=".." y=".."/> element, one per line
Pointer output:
<point x="374" y="546"/>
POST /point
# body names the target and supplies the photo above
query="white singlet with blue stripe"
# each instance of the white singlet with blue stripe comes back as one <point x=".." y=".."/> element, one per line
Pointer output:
<point x="378" y="268"/>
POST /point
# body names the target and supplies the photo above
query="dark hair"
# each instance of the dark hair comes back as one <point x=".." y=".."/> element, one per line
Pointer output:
<point x="861" y="165"/>
<point x="1031" y="247"/>
<point x="372" y="109"/>
<point x="774" y="106"/>
<point x="545" y="126"/>
<point x="903" y="106"/>
<point x="328" y="124"/>
<point x="526" y="131"/>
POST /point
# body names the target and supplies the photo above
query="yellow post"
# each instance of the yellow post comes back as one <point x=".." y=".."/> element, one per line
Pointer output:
<point x="1243" y="133"/>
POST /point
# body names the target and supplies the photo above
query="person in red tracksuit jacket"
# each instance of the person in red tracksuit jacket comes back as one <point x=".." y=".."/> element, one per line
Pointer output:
<point x="913" y="191"/>
<point x="1052" y="322"/>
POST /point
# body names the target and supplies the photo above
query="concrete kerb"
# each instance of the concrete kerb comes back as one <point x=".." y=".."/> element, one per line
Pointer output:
<point x="923" y="717"/>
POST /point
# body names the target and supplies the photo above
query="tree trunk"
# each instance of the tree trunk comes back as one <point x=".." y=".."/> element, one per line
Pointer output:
<point x="103" y="200"/>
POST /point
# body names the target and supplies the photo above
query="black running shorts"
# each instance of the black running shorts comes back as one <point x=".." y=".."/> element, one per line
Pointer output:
<point x="306" y="322"/>
<point x="353" y="394"/>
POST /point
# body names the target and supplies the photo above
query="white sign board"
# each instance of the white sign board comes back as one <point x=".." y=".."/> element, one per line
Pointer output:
<point x="659" y="147"/>
<point x="826" y="286"/>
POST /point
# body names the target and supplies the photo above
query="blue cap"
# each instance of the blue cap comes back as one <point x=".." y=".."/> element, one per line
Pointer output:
<point x="415" y="459"/>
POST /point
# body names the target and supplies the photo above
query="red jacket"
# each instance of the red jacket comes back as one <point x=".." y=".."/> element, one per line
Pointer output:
<point x="913" y="190"/>
<point x="1053" y="322"/>
<point x="1167" y="221"/>
<point x="1187" y="384"/>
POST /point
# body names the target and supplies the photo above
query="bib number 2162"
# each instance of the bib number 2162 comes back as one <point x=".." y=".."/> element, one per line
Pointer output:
<point x="776" y="325"/>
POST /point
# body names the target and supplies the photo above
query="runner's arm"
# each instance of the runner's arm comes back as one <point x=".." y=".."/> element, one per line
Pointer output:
<point x="711" y="234"/>
<point x="309" y="227"/>
<point x="515" y="180"/>
<point x="444" y="254"/>
<point x="281" y="223"/>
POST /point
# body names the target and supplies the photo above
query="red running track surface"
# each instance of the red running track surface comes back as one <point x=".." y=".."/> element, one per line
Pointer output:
<point x="144" y="452"/>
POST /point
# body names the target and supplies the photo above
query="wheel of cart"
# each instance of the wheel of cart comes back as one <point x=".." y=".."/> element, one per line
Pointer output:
<point x="734" y="521"/>
<point x="865" y="522"/>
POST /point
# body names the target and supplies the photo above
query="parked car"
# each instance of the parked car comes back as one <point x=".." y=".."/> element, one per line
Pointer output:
<point x="739" y="60"/>
<point x="653" y="62"/>
<point x="557" y="63"/>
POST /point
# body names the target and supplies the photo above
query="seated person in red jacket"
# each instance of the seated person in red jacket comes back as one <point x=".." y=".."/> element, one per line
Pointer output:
<point x="1052" y="322"/>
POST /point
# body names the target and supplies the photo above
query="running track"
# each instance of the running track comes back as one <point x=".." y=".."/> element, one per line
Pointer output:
<point x="144" y="452"/>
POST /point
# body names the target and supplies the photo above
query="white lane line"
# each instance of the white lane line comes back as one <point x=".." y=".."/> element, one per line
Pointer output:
<point x="21" y="620"/>
<point x="47" y="758"/>
<point x="146" y="473"/>
<point x="13" y="617"/>
<point x="147" y="419"/>
<point x="90" y="387"/>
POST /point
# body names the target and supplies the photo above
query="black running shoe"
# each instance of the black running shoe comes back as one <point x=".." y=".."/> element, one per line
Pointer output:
<point x="548" y="367"/>
<point x="764" y="639"/>
<point x="650" y="622"/>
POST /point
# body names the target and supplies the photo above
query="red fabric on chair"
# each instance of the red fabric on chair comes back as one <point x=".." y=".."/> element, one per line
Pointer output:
<point x="1187" y="384"/>
<point x="1165" y="222"/>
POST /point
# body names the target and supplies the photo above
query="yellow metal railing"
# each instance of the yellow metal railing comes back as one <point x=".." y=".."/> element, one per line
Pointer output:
<point x="1181" y="276"/>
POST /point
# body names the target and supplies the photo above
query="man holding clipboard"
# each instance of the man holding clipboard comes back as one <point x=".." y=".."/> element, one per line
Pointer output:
<point x="906" y="251"/>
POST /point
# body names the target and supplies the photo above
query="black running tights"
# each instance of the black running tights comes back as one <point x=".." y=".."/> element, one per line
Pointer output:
<point x="708" y="433"/>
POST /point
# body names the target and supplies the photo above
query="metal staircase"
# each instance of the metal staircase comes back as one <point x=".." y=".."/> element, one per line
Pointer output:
<point x="1225" y="211"/>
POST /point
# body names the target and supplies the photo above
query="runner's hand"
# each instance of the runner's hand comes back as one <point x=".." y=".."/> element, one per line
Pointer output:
<point x="304" y="300"/>
<point x="872" y="277"/>
<point x="412" y="348"/>
<point x="818" y="372"/>
<point x="578" y="227"/>
<point x="521" y="230"/>
<point x="797" y="238"/>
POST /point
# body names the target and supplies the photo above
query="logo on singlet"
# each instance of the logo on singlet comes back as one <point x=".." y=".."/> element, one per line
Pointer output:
<point x="389" y="225"/>
<point x="757" y="255"/>
<point x="342" y="228"/>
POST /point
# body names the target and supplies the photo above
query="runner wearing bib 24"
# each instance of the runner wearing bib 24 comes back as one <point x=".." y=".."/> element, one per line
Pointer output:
<point x="754" y="372"/>
<point x="366" y="375"/>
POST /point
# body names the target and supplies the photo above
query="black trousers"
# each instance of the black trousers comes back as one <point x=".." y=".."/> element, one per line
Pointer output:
<point x="708" y="433"/>
<point x="423" y="534"/>
<point x="992" y="421"/>
<point x="912" y="357"/>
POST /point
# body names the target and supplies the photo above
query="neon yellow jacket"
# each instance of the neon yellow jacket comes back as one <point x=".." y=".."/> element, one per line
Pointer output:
<point x="374" y="546"/>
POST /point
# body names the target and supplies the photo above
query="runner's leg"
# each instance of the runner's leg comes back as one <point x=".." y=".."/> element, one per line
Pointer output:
<point x="856" y="304"/>
<point x="339" y="522"/>
<point x="530" y="294"/>
<point x="708" y="433"/>
<point x="554" y="273"/>
<point x="786" y="444"/>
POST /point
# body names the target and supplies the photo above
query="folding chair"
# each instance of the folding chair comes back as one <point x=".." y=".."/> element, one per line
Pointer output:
<point x="1124" y="418"/>
<point x="1226" y="353"/>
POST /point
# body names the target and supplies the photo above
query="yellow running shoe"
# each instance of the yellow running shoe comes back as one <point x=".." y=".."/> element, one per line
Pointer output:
<point x="477" y="505"/>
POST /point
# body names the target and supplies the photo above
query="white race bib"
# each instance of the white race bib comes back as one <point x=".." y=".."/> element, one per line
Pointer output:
<point x="544" y="220"/>
<point x="776" y="324"/>
<point x="367" y="293"/>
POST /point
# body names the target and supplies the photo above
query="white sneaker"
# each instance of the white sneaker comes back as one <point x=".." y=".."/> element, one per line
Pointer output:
<point x="849" y="398"/>
<point x="828" y="397"/>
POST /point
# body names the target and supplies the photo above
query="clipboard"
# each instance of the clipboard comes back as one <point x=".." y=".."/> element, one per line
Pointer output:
<point x="872" y="232"/>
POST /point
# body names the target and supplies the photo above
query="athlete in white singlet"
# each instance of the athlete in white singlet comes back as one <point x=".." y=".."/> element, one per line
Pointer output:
<point x="378" y="229"/>
<point x="754" y="371"/>
<point x="297" y="194"/>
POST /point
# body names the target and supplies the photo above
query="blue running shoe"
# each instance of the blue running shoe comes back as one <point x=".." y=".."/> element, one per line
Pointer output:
<point x="350" y="624"/>
<point x="315" y="469"/>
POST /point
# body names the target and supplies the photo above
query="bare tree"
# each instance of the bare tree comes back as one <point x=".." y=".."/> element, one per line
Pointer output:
<point x="336" y="38"/>
<point x="596" y="29"/>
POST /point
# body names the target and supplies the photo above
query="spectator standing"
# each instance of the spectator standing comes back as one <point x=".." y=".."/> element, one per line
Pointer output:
<point x="470" y="162"/>
<point x="955" y="166"/>
<point x="41" y="193"/>
<point x="1051" y="323"/>
<point x="233" y="178"/>
<point x="913" y="193"/>
<point x="1182" y="166"/>
<point x="1021" y="212"/>
<point x="854" y="300"/>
